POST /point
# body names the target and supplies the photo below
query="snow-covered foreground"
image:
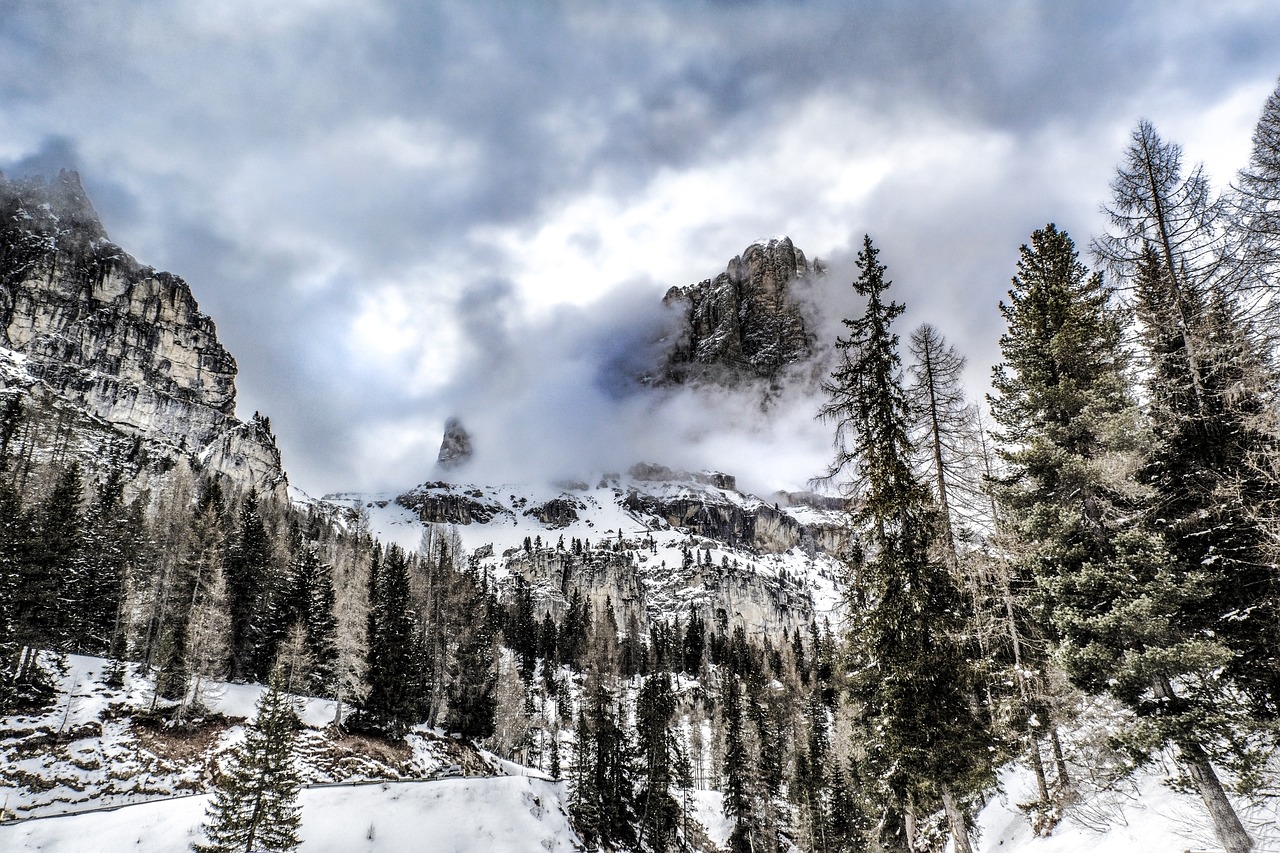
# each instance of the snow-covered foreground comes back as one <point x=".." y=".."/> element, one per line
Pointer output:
<point x="1143" y="815"/>
<point x="488" y="815"/>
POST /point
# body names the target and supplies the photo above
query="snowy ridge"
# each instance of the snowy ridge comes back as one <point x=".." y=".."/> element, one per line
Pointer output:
<point x="683" y="540"/>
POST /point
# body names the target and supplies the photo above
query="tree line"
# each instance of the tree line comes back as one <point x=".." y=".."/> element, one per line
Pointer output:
<point x="1114" y="533"/>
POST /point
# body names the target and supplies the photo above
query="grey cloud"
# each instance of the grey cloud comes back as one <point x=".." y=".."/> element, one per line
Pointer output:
<point x="239" y="149"/>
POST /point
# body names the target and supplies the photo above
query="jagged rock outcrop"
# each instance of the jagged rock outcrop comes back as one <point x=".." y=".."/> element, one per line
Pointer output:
<point x="440" y="503"/>
<point x="455" y="446"/>
<point x="616" y="576"/>
<point x="745" y="322"/>
<point x="557" y="512"/>
<point x="126" y="344"/>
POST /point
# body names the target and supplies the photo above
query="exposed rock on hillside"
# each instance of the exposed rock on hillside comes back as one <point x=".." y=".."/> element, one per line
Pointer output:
<point x="745" y="322"/>
<point x="455" y="446"/>
<point x="651" y="543"/>
<point x="120" y="341"/>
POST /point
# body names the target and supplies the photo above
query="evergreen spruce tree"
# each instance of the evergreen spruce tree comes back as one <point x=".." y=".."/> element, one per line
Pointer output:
<point x="250" y="568"/>
<point x="739" y="803"/>
<point x="1068" y="438"/>
<point x="472" y="683"/>
<point x="12" y="545"/>
<point x="659" y="811"/>
<point x="604" y="793"/>
<point x="908" y="669"/>
<point x="395" y="698"/>
<point x="255" y="802"/>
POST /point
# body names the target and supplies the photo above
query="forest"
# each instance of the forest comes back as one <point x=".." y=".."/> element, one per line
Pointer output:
<point x="1103" y="524"/>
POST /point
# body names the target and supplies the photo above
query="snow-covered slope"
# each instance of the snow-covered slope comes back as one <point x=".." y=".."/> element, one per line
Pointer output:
<point x="99" y="746"/>
<point x="487" y="815"/>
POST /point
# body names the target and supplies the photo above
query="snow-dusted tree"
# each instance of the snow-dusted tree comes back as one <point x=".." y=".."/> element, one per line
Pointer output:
<point x="908" y="668"/>
<point x="255" y="802"/>
<point x="944" y="430"/>
<point x="251" y="569"/>
<point x="13" y="539"/>
<point x="395" y="698"/>
<point x="1067" y="435"/>
<point x="207" y="643"/>
<point x="1256" y="214"/>
<point x="655" y="706"/>
<point x="351" y="619"/>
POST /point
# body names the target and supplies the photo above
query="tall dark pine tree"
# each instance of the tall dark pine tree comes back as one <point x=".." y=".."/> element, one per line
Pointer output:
<point x="250" y="572"/>
<point x="395" y="699"/>
<point x="255" y="801"/>
<point x="473" y="674"/>
<point x="1068" y="434"/>
<point x="659" y="811"/>
<point x="909" y="672"/>
<point x="739" y="799"/>
<point x="14" y="539"/>
<point x="604" y="793"/>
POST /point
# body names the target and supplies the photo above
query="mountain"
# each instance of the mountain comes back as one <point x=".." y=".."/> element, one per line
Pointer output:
<point x="746" y="323"/>
<point x="104" y="351"/>
<point x="652" y="543"/>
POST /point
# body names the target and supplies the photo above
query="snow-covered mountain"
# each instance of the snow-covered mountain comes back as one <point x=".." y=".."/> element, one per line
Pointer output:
<point x="654" y="543"/>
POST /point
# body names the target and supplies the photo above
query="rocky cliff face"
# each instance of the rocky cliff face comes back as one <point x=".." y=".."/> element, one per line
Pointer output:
<point x="652" y="542"/>
<point x="745" y="322"/>
<point x="126" y="344"/>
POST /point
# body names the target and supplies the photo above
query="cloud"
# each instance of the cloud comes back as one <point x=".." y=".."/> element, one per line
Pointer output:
<point x="373" y="200"/>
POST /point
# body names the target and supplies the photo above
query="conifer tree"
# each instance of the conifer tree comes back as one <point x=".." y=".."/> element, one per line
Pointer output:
<point x="255" y="801"/>
<point x="908" y="668"/>
<point x="1068" y="438"/>
<point x="250" y="569"/>
<point x="12" y="539"/>
<point x="1256" y="209"/>
<point x="394" y="701"/>
<point x="739" y="803"/>
<point x="655" y="706"/>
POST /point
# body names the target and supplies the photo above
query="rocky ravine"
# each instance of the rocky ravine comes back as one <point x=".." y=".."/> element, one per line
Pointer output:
<point x="91" y="330"/>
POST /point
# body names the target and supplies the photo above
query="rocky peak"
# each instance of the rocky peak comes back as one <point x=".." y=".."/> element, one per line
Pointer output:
<point x="455" y="446"/>
<point x="117" y="340"/>
<point x="745" y="322"/>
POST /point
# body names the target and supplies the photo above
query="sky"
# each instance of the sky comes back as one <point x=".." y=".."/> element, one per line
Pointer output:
<point x="397" y="211"/>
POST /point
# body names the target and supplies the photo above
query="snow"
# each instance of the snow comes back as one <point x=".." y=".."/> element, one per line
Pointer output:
<point x="488" y="815"/>
<point x="708" y="810"/>
<point x="602" y="518"/>
<point x="91" y="749"/>
<point x="1145" y="814"/>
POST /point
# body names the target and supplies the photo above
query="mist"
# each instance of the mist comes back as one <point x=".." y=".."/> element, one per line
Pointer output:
<point x="557" y="398"/>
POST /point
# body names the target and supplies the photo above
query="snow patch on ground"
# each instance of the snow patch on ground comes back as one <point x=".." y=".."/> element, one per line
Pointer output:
<point x="490" y="815"/>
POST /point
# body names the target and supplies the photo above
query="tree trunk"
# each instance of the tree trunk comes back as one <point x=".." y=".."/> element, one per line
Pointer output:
<point x="955" y="817"/>
<point x="1037" y="764"/>
<point x="1226" y="823"/>
<point x="909" y="821"/>
<point x="1060" y="764"/>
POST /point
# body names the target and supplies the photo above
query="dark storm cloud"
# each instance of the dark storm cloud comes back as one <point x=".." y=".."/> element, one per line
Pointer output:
<point x="360" y="193"/>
